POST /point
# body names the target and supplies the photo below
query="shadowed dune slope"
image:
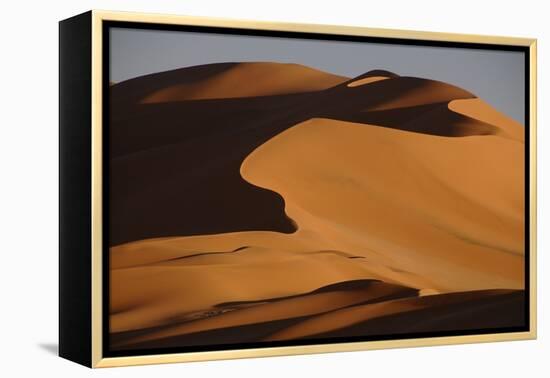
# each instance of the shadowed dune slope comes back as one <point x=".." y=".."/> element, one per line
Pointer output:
<point x="160" y="150"/>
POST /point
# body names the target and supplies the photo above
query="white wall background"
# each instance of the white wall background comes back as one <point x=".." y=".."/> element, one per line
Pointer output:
<point x="28" y="187"/>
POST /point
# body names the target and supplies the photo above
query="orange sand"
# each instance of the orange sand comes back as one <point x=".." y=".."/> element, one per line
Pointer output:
<point x="390" y="222"/>
<point x="248" y="80"/>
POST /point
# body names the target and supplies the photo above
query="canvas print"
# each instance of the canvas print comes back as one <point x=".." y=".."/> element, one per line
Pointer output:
<point x="268" y="190"/>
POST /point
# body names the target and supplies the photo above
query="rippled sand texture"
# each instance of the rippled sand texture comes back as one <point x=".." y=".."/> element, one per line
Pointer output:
<point x="258" y="202"/>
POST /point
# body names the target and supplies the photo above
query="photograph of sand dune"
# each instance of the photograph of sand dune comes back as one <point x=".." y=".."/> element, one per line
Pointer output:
<point x="295" y="190"/>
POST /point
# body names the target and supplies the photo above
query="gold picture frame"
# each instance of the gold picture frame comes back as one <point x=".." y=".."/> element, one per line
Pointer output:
<point x="89" y="328"/>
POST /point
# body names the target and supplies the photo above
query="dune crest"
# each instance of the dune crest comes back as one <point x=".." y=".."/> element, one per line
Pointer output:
<point x="417" y="91"/>
<point x="478" y="109"/>
<point x="249" y="80"/>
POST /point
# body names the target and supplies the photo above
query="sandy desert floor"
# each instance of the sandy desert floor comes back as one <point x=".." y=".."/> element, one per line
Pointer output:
<point x="263" y="202"/>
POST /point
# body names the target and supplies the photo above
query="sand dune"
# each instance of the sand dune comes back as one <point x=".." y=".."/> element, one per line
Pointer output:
<point x="253" y="274"/>
<point x="249" y="80"/>
<point x="309" y="205"/>
<point x="320" y="301"/>
<point x="222" y="80"/>
<point x="478" y="109"/>
<point x="415" y="314"/>
<point x="406" y="103"/>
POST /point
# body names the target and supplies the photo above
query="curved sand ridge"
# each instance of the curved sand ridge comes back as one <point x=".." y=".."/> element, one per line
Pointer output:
<point x="381" y="213"/>
<point x="248" y="80"/>
<point x="413" y="314"/>
<point x="476" y="108"/>
<point x="366" y="80"/>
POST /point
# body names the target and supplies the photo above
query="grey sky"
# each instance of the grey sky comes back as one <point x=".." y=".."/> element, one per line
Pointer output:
<point x="495" y="76"/>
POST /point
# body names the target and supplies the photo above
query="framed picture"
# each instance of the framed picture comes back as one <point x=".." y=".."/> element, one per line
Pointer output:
<point x="235" y="189"/>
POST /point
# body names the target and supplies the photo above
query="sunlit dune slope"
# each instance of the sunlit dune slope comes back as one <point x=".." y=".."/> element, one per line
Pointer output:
<point x="423" y="202"/>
